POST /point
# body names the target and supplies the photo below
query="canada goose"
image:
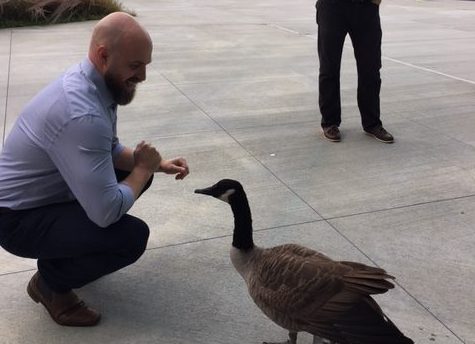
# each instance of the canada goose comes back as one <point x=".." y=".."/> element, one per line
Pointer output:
<point x="303" y="290"/>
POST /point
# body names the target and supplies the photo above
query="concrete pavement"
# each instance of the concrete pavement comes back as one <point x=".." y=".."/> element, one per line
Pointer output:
<point x="233" y="89"/>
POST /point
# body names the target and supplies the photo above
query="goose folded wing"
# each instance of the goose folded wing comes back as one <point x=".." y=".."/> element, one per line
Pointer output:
<point x="359" y="282"/>
<point x="295" y="285"/>
<point x="298" y="251"/>
<point x="366" y="280"/>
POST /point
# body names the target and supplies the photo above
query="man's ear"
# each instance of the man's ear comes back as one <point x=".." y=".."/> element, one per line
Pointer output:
<point x="103" y="55"/>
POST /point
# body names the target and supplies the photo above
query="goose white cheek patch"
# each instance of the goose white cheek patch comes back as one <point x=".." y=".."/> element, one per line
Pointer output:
<point x="225" y="196"/>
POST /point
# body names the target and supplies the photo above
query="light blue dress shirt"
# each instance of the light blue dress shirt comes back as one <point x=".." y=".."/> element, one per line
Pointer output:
<point x="62" y="146"/>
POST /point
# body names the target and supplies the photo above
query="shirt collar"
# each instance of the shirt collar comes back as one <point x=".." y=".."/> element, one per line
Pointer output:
<point x="97" y="79"/>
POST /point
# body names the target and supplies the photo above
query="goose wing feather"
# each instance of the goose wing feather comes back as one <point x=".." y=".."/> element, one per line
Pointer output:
<point x="292" y="278"/>
<point x="310" y="291"/>
<point x="366" y="280"/>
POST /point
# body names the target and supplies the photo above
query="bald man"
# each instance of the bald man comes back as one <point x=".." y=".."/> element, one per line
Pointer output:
<point x="67" y="183"/>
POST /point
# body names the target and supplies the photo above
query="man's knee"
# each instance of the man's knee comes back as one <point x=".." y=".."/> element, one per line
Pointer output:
<point x="140" y="233"/>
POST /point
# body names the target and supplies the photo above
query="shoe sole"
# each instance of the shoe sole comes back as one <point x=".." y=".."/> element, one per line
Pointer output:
<point x="330" y="139"/>
<point x="377" y="138"/>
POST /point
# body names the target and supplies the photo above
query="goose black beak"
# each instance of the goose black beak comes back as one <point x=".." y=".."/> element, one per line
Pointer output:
<point x="205" y="191"/>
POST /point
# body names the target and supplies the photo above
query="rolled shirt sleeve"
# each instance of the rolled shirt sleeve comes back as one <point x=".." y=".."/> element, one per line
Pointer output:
<point x="83" y="153"/>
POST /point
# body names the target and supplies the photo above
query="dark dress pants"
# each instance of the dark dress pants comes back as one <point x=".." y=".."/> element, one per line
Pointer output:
<point x="72" y="251"/>
<point x="360" y="19"/>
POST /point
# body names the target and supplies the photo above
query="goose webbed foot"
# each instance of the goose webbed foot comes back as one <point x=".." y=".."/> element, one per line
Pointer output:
<point x="292" y="339"/>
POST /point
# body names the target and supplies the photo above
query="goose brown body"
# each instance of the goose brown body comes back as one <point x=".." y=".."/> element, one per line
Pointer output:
<point x="301" y="289"/>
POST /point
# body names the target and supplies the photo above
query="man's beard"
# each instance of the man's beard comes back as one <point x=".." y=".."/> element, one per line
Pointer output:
<point x="120" y="93"/>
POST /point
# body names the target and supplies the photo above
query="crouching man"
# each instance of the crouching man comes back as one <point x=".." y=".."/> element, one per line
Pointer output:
<point x="66" y="183"/>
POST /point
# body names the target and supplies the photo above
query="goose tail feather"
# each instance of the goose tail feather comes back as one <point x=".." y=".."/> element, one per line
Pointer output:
<point x="367" y="279"/>
<point x="366" y="323"/>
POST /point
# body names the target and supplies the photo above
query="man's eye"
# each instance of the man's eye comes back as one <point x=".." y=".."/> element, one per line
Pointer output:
<point x="134" y="66"/>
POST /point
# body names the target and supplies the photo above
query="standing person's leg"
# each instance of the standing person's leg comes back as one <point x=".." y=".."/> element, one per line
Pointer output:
<point x="366" y="34"/>
<point x="332" y="29"/>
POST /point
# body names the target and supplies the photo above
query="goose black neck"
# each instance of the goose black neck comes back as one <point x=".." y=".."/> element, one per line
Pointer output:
<point x="242" y="236"/>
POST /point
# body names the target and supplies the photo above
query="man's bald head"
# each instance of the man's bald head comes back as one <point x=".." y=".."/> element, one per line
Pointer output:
<point x="115" y="30"/>
<point x="120" y="49"/>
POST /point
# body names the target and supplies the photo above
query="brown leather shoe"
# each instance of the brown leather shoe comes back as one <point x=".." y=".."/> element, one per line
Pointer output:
<point x="380" y="134"/>
<point x="66" y="309"/>
<point x="332" y="133"/>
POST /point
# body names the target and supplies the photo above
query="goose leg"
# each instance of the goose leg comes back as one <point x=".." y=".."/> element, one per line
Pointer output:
<point x="292" y="339"/>
<point x="319" y="340"/>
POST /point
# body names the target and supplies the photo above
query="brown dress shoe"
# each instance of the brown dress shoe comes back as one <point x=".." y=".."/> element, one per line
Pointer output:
<point x="332" y="133"/>
<point x="66" y="309"/>
<point x="380" y="134"/>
